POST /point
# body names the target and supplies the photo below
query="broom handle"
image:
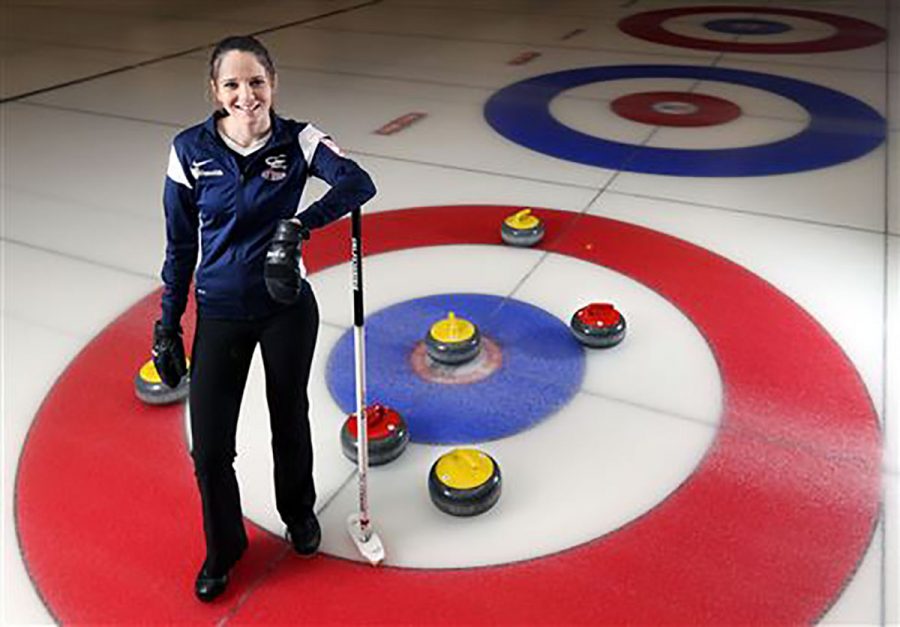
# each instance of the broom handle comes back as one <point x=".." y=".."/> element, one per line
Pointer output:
<point x="359" y="341"/>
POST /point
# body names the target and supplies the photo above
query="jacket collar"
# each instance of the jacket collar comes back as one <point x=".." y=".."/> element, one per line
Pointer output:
<point x="280" y="131"/>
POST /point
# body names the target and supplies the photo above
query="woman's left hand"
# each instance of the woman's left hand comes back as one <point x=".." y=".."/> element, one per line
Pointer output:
<point x="282" y="270"/>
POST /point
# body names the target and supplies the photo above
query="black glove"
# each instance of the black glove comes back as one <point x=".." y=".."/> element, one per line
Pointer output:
<point x="168" y="354"/>
<point x="282" y="270"/>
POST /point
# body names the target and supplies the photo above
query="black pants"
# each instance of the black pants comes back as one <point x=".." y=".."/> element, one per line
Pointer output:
<point x="220" y="362"/>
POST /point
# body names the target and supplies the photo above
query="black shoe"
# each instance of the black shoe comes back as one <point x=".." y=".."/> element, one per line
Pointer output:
<point x="305" y="535"/>
<point x="207" y="587"/>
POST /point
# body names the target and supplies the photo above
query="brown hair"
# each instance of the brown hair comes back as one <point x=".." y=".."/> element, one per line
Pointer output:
<point x="242" y="43"/>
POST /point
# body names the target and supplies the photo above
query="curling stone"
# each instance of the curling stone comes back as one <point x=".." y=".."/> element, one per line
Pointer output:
<point x="598" y="325"/>
<point x="464" y="482"/>
<point x="453" y="341"/>
<point x="386" y="430"/>
<point x="522" y="229"/>
<point x="149" y="387"/>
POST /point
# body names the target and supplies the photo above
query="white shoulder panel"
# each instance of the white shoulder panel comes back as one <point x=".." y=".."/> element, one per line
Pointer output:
<point x="309" y="139"/>
<point x="175" y="171"/>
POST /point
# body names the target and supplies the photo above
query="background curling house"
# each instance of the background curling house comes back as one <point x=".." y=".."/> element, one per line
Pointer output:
<point x="669" y="237"/>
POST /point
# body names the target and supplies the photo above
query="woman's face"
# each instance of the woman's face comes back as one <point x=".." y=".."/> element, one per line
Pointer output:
<point x="244" y="89"/>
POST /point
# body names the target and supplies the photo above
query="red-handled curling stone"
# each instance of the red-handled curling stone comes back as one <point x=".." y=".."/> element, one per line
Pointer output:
<point x="598" y="325"/>
<point x="387" y="432"/>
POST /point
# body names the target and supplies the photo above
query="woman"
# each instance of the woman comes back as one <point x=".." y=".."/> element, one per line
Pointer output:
<point x="232" y="193"/>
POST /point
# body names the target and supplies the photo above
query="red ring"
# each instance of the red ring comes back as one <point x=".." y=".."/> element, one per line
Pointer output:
<point x="851" y="32"/>
<point x="487" y="362"/>
<point x="647" y="108"/>
<point x="768" y="529"/>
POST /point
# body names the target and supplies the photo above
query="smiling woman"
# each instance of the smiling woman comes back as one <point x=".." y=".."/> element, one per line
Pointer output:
<point x="237" y="179"/>
<point x="242" y="82"/>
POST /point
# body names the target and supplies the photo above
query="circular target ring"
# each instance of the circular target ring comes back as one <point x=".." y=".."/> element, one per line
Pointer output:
<point x="851" y="32"/>
<point x="747" y="26"/>
<point x="542" y="368"/>
<point x="841" y="128"/>
<point x="674" y="108"/>
<point x="788" y="494"/>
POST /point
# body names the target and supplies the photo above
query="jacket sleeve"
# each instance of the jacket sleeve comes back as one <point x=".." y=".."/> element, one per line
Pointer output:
<point x="181" y="240"/>
<point x="351" y="186"/>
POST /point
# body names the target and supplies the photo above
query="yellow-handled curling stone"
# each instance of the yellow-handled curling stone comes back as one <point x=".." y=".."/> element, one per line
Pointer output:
<point x="387" y="435"/>
<point x="464" y="482"/>
<point x="522" y="228"/>
<point x="149" y="387"/>
<point x="453" y="340"/>
<point x="598" y="325"/>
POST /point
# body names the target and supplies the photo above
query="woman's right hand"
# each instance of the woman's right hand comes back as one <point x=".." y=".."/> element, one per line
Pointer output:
<point x="168" y="354"/>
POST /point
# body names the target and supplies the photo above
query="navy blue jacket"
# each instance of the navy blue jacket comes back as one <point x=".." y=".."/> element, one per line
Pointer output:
<point x="228" y="212"/>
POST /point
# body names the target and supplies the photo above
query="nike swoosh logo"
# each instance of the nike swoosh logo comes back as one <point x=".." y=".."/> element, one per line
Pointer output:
<point x="200" y="164"/>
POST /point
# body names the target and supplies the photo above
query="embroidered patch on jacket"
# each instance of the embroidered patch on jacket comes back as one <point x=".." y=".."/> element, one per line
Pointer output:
<point x="277" y="168"/>
<point x="334" y="147"/>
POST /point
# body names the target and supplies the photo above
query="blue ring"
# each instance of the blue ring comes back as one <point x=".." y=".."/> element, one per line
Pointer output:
<point x="543" y="367"/>
<point x="739" y="26"/>
<point x="841" y="127"/>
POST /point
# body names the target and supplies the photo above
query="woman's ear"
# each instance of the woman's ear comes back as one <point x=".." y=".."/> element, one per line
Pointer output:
<point x="212" y="92"/>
